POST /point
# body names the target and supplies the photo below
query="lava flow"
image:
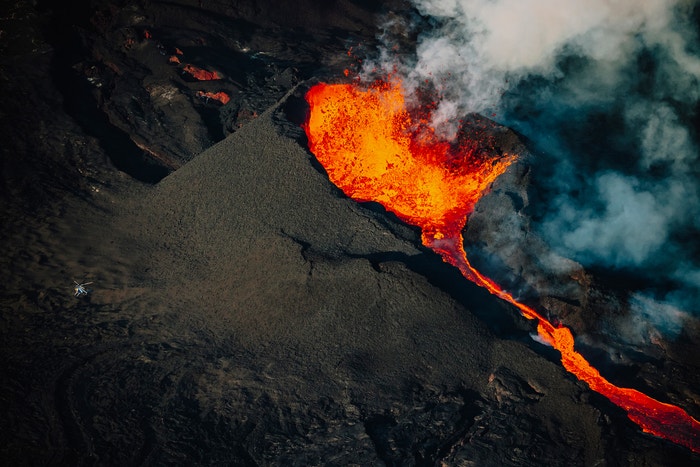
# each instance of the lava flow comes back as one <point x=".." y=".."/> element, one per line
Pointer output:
<point x="373" y="150"/>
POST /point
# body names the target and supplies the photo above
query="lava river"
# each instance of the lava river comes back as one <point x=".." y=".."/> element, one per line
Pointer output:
<point x="374" y="150"/>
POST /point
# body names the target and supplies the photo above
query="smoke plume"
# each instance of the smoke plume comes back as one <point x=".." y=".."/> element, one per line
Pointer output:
<point x="607" y="92"/>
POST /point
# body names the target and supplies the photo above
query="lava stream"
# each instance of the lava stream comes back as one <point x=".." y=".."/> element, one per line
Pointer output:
<point x="374" y="150"/>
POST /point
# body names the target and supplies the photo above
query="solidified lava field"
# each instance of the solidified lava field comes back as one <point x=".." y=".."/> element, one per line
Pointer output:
<point x="241" y="309"/>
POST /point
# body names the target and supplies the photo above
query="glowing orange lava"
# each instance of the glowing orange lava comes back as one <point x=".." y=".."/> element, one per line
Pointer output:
<point x="370" y="148"/>
<point x="200" y="73"/>
<point x="373" y="150"/>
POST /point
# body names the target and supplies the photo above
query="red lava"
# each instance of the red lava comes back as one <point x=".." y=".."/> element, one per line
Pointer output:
<point x="373" y="150"/>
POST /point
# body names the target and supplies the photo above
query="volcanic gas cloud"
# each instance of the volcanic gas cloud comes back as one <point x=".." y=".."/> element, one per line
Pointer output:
<point x="375" y="150"/>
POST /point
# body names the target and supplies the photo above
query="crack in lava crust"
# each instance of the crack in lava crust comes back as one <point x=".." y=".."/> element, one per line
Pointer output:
<point x="374" y="150"/>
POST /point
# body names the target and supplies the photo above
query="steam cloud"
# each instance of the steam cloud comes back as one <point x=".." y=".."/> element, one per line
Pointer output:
<point x="608" y="91"/>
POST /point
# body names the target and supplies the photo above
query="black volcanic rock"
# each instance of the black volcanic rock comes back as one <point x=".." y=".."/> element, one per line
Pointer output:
<point x="252" y="314"/>
<point x="243" y="311"/>
<point x="129" y="58"/>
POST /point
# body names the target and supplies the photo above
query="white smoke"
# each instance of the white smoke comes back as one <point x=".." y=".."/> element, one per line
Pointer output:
<point x="626" y="225"/>
<point x="482" y="47"/>
<point x="548" y="68"/>
<point x="663" y="139"/>
<point x="649" y="319"/>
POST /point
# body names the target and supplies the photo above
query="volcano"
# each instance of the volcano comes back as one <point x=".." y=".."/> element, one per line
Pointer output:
<point x="242" y="309"/>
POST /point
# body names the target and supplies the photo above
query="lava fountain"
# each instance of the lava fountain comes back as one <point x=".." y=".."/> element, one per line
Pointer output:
<point x="374" y="150"/>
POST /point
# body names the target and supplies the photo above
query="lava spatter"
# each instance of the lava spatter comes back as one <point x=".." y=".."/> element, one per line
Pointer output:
<point x="374" y="150"/>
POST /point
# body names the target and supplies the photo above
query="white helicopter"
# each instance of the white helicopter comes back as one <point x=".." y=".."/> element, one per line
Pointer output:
<point x="80" y="288"/>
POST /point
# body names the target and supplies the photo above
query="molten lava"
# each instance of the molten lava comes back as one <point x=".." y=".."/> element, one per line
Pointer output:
<point x="374" y="150"/>
<point x="200" y="73"/>
<point x="217" y="96"/>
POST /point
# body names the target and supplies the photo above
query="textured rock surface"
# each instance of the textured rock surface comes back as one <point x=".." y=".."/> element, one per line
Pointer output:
<point x="243" y="311"/>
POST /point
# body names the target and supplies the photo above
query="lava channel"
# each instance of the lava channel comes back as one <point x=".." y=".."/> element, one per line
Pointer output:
<point x="374" y="150"/>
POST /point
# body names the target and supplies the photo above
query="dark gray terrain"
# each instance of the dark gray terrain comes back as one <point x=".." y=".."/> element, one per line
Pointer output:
<point x="241" y="309"/>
